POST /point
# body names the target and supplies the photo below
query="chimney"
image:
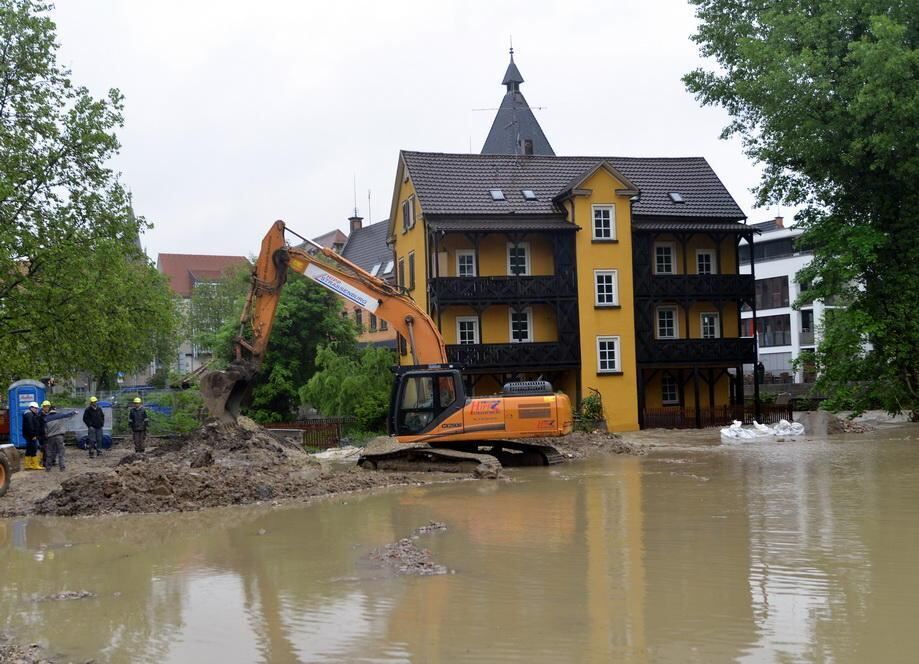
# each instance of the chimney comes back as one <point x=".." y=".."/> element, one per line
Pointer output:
<point x="356" y="223"/>
<point x="780" y="222"/>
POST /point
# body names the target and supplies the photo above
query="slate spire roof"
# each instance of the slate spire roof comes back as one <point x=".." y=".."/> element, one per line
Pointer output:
<point x="512" y="77"/>
<point x="515" y="130"/>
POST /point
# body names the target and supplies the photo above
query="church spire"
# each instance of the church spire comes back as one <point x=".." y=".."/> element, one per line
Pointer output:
<point x="512" y="77"/>
<point x="515" y="129"/>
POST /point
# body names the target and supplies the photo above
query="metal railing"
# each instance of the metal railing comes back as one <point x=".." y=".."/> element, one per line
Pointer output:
<point x="675" y="417"/>
<point x="502" y="288"/>
<point x="322" y="432"/>
<point x="497" y="356"/>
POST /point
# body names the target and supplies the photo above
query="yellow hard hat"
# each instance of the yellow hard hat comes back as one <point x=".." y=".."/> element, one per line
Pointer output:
<point x="93" y="400"/>
<point x="45" y="403"/>
<point x="136" y="399"/>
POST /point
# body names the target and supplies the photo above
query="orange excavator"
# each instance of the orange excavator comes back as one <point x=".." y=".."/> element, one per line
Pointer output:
<point x="430" y="414"/>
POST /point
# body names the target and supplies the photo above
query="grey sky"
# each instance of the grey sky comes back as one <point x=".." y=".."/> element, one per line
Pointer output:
<point x="240" y="113"/>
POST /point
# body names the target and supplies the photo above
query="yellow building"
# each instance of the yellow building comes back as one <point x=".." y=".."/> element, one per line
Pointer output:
<point x="539" y="266"/>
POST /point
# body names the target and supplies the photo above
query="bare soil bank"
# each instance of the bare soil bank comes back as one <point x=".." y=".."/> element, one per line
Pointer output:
<point x="223" y="465"/>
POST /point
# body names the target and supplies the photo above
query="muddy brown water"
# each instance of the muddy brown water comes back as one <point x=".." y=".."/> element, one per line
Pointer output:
<point x="796" y="551"/>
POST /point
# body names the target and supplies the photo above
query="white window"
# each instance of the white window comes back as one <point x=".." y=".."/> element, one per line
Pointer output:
<point x="375" y="269"/>
<point x="667" y="327"/>
<point x="408" y="213"/>
<point x="604" y="225"/>
<point x="467" y="330"/>
<point x="388" y="268"/>
<point x="710" y="324"/>
<point x="518" y="258"/>
<point x="670" y="394"/>
<point x="465" y="263"/>
<point x="606" y="288"/>
<point x="608" y="354"/>
<point x="663" y="258"/>
<point x="705" y="262"/>
<point x="521" y="325"/>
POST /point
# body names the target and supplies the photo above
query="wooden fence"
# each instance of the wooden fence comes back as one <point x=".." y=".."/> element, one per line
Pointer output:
<point x="324" y="432"/>
<point x="685" y="418"/>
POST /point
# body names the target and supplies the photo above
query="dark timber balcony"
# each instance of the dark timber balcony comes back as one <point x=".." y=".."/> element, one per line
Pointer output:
<point x="465" y="290"/>
<point x="539" y="356"/>
<point x="670" y="352"/>
<point x="696" y="287"/>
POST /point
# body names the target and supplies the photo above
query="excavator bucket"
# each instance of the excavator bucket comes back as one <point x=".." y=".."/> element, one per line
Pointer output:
<point x="226" y="391"/>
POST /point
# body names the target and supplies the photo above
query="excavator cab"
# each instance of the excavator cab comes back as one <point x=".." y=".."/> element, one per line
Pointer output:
<point x="423" y="397"/>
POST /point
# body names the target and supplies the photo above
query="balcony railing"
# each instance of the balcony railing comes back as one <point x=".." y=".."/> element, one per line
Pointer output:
<point x="462" y="290"/>
<point x="696" y="286"/>
<point x="695" y="351"/>
<point x="518" y="357"/>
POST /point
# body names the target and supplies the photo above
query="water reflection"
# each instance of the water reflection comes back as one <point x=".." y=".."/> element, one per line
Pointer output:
<point x="782" y="552"/>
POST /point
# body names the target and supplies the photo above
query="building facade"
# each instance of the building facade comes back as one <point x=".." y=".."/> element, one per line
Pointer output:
<point x="185" y="273"/>
<point x="611" y="275"/>
<point x="782" y="332"/>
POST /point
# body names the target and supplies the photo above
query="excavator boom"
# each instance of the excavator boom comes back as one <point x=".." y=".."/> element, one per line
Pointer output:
<point x="225" y="391"/>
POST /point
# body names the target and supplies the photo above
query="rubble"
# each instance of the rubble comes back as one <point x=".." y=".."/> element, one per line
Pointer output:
<point x="405" y="557"/>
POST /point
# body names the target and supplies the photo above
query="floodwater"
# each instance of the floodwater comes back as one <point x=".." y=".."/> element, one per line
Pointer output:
<point x="782" y="552"/>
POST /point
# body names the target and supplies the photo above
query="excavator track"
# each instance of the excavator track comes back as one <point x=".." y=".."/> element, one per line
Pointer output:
<point x="426" y="459"/>
<point x="479" y="457"/>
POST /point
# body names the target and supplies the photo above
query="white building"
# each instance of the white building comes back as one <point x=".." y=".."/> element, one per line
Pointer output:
<point x="782" y="332"/>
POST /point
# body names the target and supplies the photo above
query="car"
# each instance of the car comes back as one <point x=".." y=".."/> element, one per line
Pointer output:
<point x="9" y="463"/>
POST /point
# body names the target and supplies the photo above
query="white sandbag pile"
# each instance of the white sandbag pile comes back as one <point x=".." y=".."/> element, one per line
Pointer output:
<point x="736" y="433"/>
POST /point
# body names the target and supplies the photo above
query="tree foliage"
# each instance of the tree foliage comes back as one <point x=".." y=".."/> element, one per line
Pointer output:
<point x="349" y="384"/>
<point x="825" y="94"/>
<point x="308" y="316"/>
<point x="76" y="292"/>
<point x="213" y="305"/>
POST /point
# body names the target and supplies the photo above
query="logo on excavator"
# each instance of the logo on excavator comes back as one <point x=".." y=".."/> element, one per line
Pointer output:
<point x="344" y="289"/>
<point x="486" y="407"/>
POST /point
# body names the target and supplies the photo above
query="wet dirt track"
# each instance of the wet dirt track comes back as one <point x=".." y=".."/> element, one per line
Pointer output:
<point x="696" y="552"/>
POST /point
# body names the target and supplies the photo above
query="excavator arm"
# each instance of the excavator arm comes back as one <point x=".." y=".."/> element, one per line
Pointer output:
<point x="224" y="391"/>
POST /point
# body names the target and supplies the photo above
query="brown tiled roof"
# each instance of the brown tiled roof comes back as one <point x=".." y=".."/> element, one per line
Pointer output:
<point x="183" y="270"/>
<point x="459" y="184"/>
<point x="332" y="237"/>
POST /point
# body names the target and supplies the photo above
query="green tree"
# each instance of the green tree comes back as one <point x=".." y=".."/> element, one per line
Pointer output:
<point x="308" y="316"/>
<point x="826" y="96"/>
<point x="213" y="305"/>
<point x="348" y="384"/>
<point x="76" y="292"/>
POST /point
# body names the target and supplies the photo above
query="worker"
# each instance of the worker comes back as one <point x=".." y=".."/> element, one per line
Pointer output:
<point x="138" y="420"/>
<point x="42" y="435"/>
<point x="31" y="430"/>
<point x="94" y="419"/>
<point x="55" y="428"/>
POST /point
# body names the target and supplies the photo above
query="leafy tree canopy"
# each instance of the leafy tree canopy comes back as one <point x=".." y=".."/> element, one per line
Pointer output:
<point x="825" y="94"/>
<point x="76" y="292"/>
<point x="308" y="316"/>
<point x="349" y="384"/>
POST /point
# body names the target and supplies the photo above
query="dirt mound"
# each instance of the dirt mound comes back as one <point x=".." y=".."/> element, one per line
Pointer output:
<point x="220" y="464"/>
<point x="406" y="557"/>
<point x="581" y="445"/>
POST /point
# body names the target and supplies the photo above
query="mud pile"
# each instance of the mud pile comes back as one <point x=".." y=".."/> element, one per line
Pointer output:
<point x="220" y="464"/>
<point x="406" y="557"/>
<point x="580" y="445"/>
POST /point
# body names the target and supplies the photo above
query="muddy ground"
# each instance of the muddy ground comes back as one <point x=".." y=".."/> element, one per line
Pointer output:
<point x="223" y="465"/>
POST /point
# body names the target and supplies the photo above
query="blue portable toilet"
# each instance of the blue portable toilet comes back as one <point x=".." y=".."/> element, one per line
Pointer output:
<point x="20" y="394"/>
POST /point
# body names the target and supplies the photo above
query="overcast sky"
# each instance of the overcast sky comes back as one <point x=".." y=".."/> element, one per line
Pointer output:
<point x="240" y="113"/>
